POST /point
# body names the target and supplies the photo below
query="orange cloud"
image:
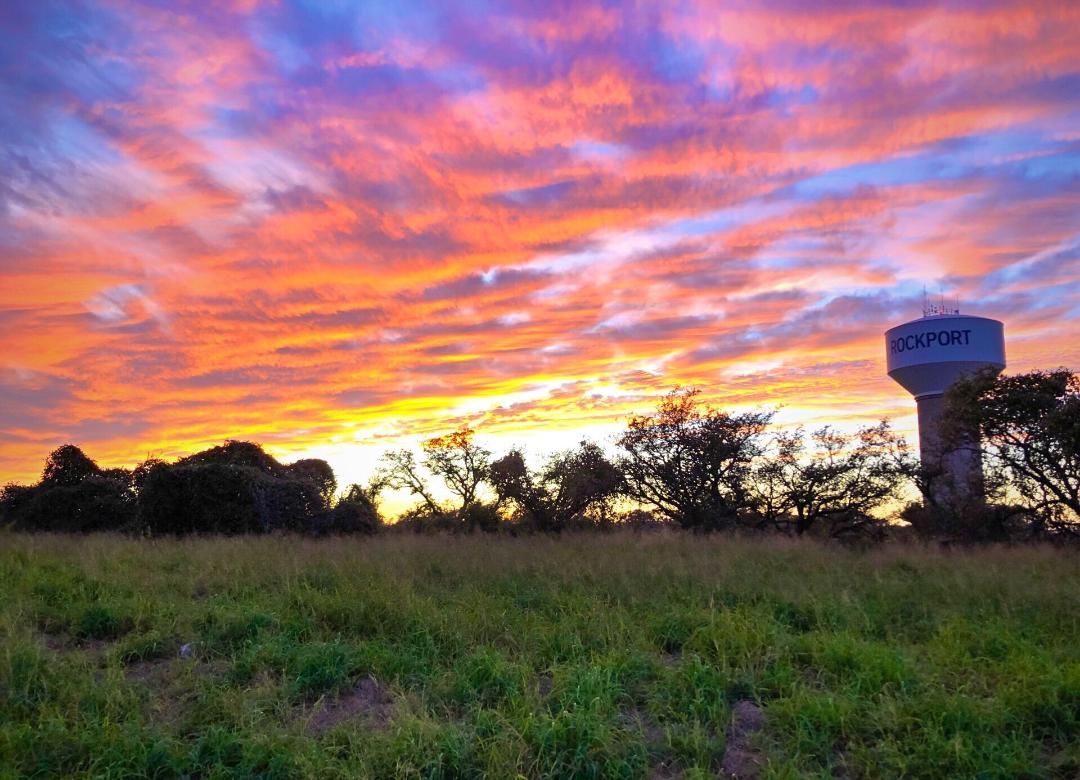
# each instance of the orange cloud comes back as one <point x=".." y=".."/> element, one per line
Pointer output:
<point x="334" y="231"/>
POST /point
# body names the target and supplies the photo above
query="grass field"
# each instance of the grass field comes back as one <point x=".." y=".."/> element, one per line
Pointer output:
<point x="593" y="656"/>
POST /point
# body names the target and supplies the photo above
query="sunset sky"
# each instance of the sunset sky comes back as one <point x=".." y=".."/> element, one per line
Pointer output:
<point x="339" y="227"/>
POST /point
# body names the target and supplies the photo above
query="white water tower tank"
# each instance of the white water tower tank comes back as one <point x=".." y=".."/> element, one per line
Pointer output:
<point x="926" y="356"/>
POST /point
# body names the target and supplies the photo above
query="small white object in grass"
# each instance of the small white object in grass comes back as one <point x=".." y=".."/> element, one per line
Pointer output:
<point x="186" y="650"/>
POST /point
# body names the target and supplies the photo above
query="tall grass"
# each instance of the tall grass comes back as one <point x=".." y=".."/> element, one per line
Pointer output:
<point x="591" y="656"/>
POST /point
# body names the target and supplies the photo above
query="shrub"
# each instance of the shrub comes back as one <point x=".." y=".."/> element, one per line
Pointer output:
<point x="473" y="517"/>
<point x="969" y="521"/>
<point x="74" y="495"/>
<point x="14" y="503"/>
<point x="354" y="513"/>
<point x="223" y="498"/>
<point x="478" y="516"/>
<point x="94" y="504"/>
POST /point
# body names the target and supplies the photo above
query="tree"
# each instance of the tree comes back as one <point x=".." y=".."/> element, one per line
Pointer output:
<point x="455" y="459"/>
<point x="691" y="462"/>
<point x="401" y="471"/>
<point x="237" y="453"/>
<point x="832" y="479"/>
<point x="319" y="473"/>
<point x="459" y="461"/>
<point x="15" y="501"/>
<point x="68" y="465"/>
<point x="1029" y="429"/>
<point x="570" y="485"/>
<point x="74" y="495"/>
<point x="354" y="512"/>
<point x="233" y="488"/>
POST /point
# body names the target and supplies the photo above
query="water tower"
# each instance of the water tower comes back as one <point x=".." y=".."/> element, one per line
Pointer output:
<point x="926" y="356"/>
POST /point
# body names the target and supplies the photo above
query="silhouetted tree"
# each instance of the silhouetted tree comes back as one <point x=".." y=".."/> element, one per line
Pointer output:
<point x="642" y="520"/>
<point x="14" y="503"/>
<point x="74" y="495"/>
<point x="563" y="492"/>
<point x="94" y="504"/>
<point x="142" y="471"/>
<point x="237" y="453"/>
<point x="354" y="512"/>
<point x="459" y="461"/>
<point x="233" y="488"/>
<point x="68" y="465"/>
<point x="691" y="462"/>
<point x="833" y="478"/>
<point x="401" y="471"/>
<point x="1029" y="425"/>
<point x="456" y="460"/>
<point x="319" y="473"/>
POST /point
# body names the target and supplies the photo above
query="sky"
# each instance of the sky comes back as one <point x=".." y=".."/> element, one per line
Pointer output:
<point x="340" y="227"/>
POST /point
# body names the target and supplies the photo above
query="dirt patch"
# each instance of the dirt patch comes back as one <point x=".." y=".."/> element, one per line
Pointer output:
<point x="95" y="650"/>
<point x="741" y="761"/>
<point x="671" y="659"/>
<point x="212" y="668"/>
<point x="151" y="673"/>
<point x="367" y="701"/>
<point x="54" y="643"/>
<point x="545" y="685"/>
<point x="639" y="720"/>
<point x="636" y="719"/>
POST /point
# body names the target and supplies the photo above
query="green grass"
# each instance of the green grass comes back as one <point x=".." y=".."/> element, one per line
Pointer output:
<point x="592" y="656"/>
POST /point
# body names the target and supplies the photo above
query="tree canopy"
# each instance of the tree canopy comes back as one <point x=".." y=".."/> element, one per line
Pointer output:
<point x="685" y="463"/>
<point x="1029" y="426"/>
<point x="562" y="493"/>
<point x="831" y="477"/>
<point x="693" y="463"/>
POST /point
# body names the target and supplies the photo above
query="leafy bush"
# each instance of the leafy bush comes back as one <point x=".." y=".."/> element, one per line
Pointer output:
<point x="223" y="498"/>
<point x="476" y="516"/>
<point x="354" y="513"/>
<point x="74" y="495"/>
<point x="231" y="489"/>
<point x="969" y="521"/>
<point x="479" y="516"/>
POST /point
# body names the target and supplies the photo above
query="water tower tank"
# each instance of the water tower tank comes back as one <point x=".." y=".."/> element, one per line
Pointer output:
<point x="926" y="356"/>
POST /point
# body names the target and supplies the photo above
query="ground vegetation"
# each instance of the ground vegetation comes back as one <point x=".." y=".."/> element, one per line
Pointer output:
<point x="619" y="655"/>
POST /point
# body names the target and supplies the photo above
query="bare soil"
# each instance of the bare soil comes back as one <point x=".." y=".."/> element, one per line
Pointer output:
<point x="741" y="761"/>
<point x="367" y="701"/>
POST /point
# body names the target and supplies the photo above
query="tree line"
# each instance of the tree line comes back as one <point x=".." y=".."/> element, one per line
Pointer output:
<point x="685" y="464"/>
